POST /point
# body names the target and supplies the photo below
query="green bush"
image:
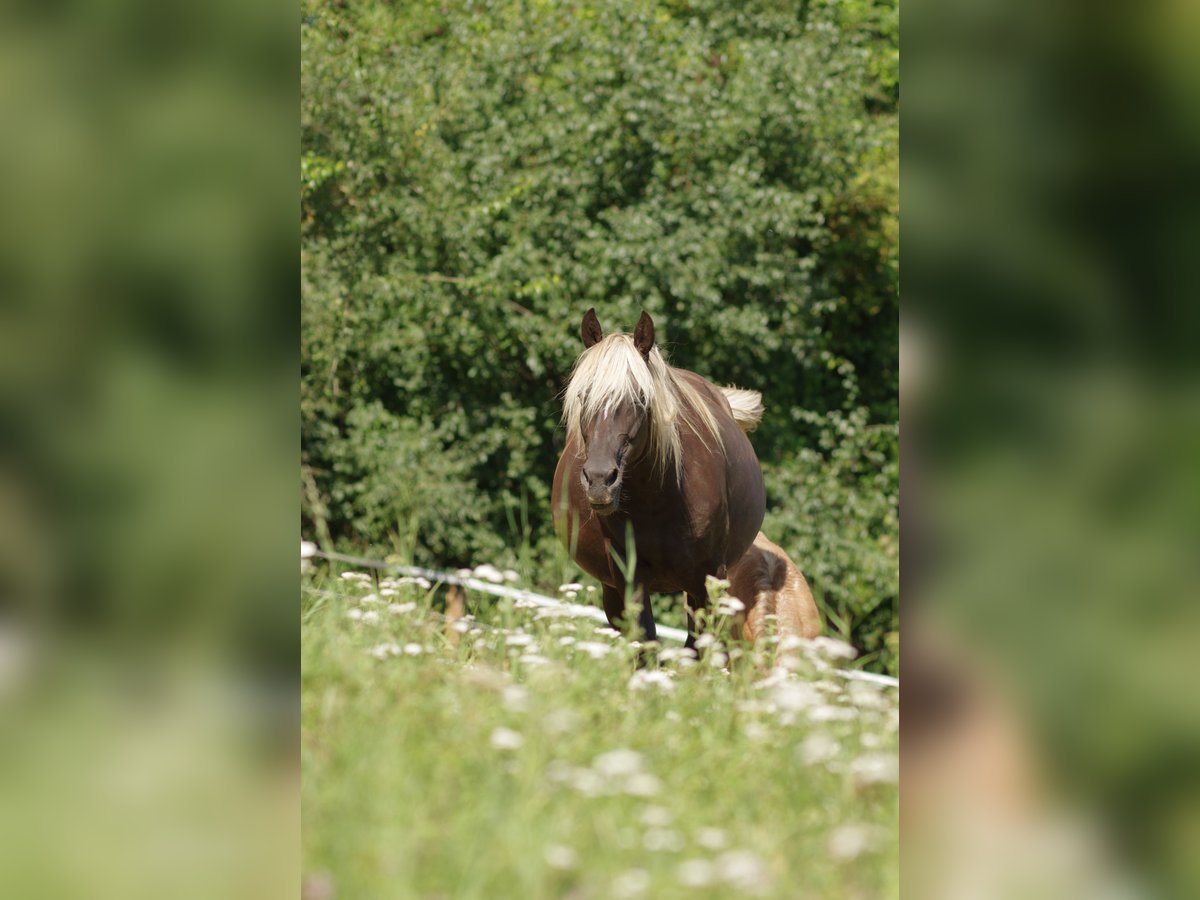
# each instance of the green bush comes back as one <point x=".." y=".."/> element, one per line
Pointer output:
<point x="474" y="177"/>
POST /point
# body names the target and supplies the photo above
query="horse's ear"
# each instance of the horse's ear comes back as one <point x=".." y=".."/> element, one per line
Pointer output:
<point x="643" y="334"/>
<point x="590" y="330"/>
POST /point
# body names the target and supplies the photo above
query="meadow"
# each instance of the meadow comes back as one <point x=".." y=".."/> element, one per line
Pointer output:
<point x="522" y="752"/>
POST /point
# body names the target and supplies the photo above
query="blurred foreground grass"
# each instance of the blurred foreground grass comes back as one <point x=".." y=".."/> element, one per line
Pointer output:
<point x="524" y="755"/>
<point x="148" y="438"/>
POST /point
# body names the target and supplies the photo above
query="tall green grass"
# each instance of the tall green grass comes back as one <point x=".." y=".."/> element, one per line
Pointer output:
<point x="525" y="755"/>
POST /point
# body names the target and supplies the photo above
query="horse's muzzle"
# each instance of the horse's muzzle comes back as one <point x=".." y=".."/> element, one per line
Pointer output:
<point x="602" y="484"/>
<point x="603" y="506"/>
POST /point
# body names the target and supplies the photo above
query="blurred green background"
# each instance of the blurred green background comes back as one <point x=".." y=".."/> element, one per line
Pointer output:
<point x="475" y="176"/>
<point x="1051" y="159"/>
<point x="148" y="443"/>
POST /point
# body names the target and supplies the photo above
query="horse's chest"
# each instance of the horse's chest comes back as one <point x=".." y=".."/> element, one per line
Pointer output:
<point x="668" y="543"/>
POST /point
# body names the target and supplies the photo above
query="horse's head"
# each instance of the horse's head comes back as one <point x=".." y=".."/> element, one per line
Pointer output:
<point x="616" y="433"/>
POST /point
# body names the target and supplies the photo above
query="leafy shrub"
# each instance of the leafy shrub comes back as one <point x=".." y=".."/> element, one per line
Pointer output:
<point x="474" y="177"/>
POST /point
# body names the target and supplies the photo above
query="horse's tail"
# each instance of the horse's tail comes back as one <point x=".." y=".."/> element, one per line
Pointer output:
<point x="747" y="407"/>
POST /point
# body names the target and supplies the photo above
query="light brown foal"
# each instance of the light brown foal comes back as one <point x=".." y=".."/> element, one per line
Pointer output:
<point x="769" y="583"/>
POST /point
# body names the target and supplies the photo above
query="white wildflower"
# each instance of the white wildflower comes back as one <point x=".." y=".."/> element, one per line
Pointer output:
<point x="680" y="657"/>
<point x="711" y="838"/>
<point x="510" y="575"/>
<point x="825" y="712"/>
<point x="567" y="640"/>
<point x="369" y="598"/>
<point x="307" y="549"/>
<point x="413" y="649"/>
<point x="567" y="588"/>
<point x="461" y="626"/>
<point x="632" y="883"/>
<point x="514" y="697"/>
<point x="695" y="873"/>
<point x="794" y="695"/>
<point x="797" y="663"/>
<point x="359" y="577"/>
<point x="506" y="739"/>
<point x="875" y="768"/>
<point x="730" y="606"/>
<point x="655" y="817"/>
<point x="533" y="659"/>
<point x="560" y="721"/>
<point x="848" y="842"/>
<point x="518" y="640"/>
<point x="647" y="679"/>
<point x="715" y="585"/>
<point x="705" y="640"/>
<point x="370" y="616"/>
<point x="818" y="748"/>
<point x="831" y="648"/>
<point x="488" y="572"/>
<point x="778" y="675"/>
<point x="755" y="731"/>
<point x="593" y="649"/>
<point x="383" y="651"/>
<point x="423" y="583"/>
<point x="587" y="782"/>
<point x="867" y="696"/>
<point x="558" y="856"/>
<point x="656" y="839"/>
<point x="618" y="763"/>
<point x="642" y="784"/>
<point x="789" y="642"/>
<point x="354" y="613"/>
<point x="744" y="870"/>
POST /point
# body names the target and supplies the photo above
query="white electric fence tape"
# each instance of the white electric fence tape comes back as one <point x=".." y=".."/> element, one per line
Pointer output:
<point x="573" y="609"/>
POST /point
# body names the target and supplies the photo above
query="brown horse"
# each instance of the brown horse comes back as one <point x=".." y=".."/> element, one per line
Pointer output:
<point x="658" y="454"/>
<point x="770" y="584"/>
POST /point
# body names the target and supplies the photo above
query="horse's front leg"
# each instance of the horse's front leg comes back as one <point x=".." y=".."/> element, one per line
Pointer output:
<point x="614" y="609"/>
<point x="692" y="604"/>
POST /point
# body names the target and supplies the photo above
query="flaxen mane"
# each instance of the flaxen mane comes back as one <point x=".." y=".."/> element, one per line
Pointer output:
<point x="613" y="372"/>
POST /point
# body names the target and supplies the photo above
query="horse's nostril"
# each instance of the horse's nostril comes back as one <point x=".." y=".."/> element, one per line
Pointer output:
<point x="595" y="478"/>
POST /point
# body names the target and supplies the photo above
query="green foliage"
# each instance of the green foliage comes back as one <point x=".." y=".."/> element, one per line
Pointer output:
<point x="474" y="177"/>
<point x="835" y="507"/>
